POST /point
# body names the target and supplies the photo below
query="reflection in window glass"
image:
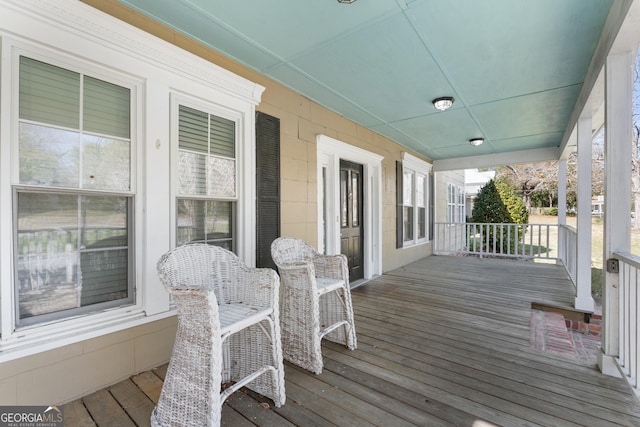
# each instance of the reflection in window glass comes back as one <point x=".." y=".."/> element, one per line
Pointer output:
<point x="344" y="197"/>
<point x="73" y="248"/>
<point x="72" y="251"/>
<point x="408" y="222"/>
<point x="355" y="197"/>
<point x="407" y="198"/>
<point x="48" y="156"/>
<point x="420" y="190"/>
<point x="205" y="221"/>
<point x="206" y="174"/>
<point x="105" y="163"/>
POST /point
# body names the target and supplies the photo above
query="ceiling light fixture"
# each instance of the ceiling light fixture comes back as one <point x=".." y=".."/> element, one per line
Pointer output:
<point x="346" y="1"/>
<point x="443" y="103"/>
<point x="476" y="141"/>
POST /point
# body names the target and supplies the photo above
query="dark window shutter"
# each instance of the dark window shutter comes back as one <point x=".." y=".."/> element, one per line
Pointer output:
<point x="399" y="193"/>
<point x="267" y="187"/>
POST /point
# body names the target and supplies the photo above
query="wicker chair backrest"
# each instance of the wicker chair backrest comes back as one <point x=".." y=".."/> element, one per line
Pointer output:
<point x="198" y="266"/>
<point x="285" y="250"/>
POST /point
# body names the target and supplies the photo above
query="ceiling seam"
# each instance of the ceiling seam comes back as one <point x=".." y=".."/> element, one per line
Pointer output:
<point x="285" y="62"/>
<point x="528" y="94"/>
<point x="425" y="41"/>
<point x="333" y="39"/>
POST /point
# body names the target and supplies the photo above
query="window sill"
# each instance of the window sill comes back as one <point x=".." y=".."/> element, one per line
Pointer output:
<point x="37" y="339"/>
<point x="415" y="244"/>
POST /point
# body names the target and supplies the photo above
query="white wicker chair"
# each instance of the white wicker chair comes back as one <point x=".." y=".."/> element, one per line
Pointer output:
<point x="228" y="330"/>
<point x="315" y="302"/>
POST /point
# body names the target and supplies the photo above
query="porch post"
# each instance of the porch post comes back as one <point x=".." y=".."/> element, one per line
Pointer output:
<point x="583" y="299"/>
<point x="562" y="208"/>
<point x="562" y="192"/>
<point x="617" y="196"/>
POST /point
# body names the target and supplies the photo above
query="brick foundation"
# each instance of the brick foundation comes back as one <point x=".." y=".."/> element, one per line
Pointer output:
<point x="592" y="328"/>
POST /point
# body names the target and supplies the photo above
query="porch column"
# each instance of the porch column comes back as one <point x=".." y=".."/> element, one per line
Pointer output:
<point x="562" y="207"/>
<point x="617" y="195"/>
<point x="583" y="299"/>
<point x="562" y="192"/>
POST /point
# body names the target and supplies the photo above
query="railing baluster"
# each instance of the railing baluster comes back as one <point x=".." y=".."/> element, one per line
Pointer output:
<point x="633" y="325"/>
<point x="548" y="239"/>
<point x="628" y="359"/>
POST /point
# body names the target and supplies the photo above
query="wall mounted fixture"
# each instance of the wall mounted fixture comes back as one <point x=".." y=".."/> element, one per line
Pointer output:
<point x="476" y="141"/>
<point x="443" y="103"/>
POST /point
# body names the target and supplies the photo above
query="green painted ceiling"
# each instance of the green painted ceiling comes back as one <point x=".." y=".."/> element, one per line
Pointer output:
<point x="515" y="67"/>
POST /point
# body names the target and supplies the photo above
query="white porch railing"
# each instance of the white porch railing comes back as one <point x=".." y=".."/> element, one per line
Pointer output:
<point x="628" y="359"/>
<point x="497" y="240"/>
<point x="568" y="250"/>
<point x="520" y="241"/>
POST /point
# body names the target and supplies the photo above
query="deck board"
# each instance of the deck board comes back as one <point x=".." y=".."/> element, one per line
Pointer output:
<point x="443" y="341"/>
<point x="106" y="411"/>
<point x="134" y="402"/>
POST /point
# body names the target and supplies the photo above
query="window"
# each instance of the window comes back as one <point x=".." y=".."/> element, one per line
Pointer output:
<point x="206" y="178"/>
<point x="452" y="211"/>
<point x="421" y="205"/>
<point x="73" y="199"/>
<point x="455" y="204"/>
<point x="413" y="180"/>
<point x="408" y="204"/>
<point x="461" y="207"/>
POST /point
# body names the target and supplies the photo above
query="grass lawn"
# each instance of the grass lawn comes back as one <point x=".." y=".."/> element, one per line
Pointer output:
<point x="596" y="246"/>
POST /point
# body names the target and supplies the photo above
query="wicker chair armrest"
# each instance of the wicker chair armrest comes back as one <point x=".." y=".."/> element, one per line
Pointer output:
<point x="255" y="286"/>
<point x="190" y="302"/>
<point x="299" y="275"/>
<point x="333" y="266"/>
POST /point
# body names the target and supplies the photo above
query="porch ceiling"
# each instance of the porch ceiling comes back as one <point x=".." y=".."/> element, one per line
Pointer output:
<point x="515" y="68"/>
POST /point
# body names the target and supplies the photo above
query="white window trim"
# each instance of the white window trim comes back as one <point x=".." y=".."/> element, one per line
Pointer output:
<point x="68" y="31"/>
<point x="36" y="333"/>
<point x="417" y="167"/>
<point x="243" y="235"/>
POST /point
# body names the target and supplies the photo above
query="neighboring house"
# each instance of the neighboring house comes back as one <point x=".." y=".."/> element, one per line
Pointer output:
<point x="450" y="190"/>
<point x="474" y="180"/>
<point x="597" y="206"/>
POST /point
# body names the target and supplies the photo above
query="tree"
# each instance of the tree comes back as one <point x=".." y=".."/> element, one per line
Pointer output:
<point x="497" y="203"/>
<point x="532" y="178"/>
<point x="539" y="181"/>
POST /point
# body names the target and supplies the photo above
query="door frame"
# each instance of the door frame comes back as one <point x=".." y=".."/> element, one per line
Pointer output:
<point x="329" y="153"/>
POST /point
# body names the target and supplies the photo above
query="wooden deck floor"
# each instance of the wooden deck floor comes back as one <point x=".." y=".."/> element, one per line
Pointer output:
<point x="442" y="341"/>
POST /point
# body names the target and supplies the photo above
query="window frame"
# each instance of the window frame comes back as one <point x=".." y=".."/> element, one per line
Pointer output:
<point x="61" y="315"/>
<point x="211" y="108"/>
<point x="416" y="167"/>
<point x="79" y="318"/>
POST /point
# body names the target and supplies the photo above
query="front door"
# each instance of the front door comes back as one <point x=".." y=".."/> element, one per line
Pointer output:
<point x="351" y="215"/>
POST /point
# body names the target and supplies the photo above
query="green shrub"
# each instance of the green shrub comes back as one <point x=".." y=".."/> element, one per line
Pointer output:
<point x="496" y="203"/>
